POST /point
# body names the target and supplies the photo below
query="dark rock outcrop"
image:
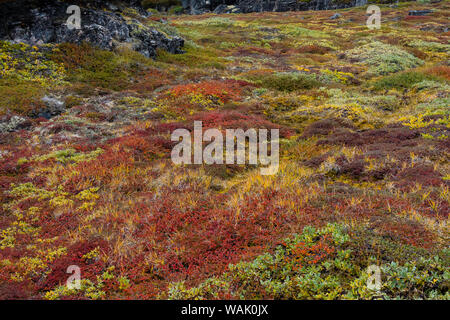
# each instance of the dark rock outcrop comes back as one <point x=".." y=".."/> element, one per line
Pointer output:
<point x="246" y="6"/>
<point x="223" y="8"/>
<point x="36" y="22"/>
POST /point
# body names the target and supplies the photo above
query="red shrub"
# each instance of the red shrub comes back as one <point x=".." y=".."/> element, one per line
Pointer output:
<point x="439" y="71"/>
<point x="236" y="120"/>
<point x="405" y="231"/>
<point x="225" y="91"/>
<point x="303" y="254"/>
<point x="424" y="175"/>
<point x="89" y="269"/>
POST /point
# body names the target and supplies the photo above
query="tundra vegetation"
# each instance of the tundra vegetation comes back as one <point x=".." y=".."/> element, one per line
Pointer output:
<point x="364" y="176"/>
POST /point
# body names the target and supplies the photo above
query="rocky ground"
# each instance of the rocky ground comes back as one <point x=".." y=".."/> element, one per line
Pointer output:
<point x="37" y="23"/>
<point x="247" y="6"/>
<point x="86" y="177"/>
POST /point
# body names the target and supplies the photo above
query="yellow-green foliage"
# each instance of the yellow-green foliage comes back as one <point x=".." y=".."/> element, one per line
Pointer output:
<point x="212" y="22"/>
<point x="288" y="81"/>
<point x="380" y="102"/>
<point x="20" y="96"/>
<point x="402" y="80"/>
<point x="296" y="31"/>
<point x="430" y="46"/>
<point x="65" y="156"/>
<point x="363" y="136"/>
<point x="99" y="68"/>
<point x="29" y="63"/>
<point x="434" y="106"/>
<point x="338" y="76"/>
<point x="417" y="122"/>
<point x="26" y="72"/>
<point x="194" y="57"/>
<point x="89" y="289"/>
<point x="285" y="275"/>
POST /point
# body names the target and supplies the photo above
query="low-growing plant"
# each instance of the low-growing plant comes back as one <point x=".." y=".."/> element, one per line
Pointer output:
<point x="289" y="81"/>
<point x="383" y="58"/>
<point x="320" y="264"/>
<point x="404" y="80"/>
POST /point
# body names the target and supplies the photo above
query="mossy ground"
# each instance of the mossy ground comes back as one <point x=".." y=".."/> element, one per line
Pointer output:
<point x="364" y="172"/>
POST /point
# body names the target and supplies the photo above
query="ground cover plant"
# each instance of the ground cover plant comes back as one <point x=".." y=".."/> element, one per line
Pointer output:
<point x="86" y="176"/>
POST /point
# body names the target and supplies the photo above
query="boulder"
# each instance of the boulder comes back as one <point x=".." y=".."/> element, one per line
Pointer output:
<point x="53" y="107"/>
<point x="223" y="8"/>
<point x="336" y="16"/>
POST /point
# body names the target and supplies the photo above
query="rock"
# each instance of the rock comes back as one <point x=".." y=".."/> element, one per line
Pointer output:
<point x="435" y="28"/>
<point x="227" y="9"/>
<point x="336" y="16"/>
<point x="11" y="124"/>
<point x="53" y="107"/>
<point x="258" y="6"/>
<point x="45" y="22"/>
<point x="147" y="40"/>
<point x="246" y="6"/>
<point x="223" y="8"/>
<point x="112" y="7"/>
<point x="198" y="6"/>
<point x="419" y="12"/>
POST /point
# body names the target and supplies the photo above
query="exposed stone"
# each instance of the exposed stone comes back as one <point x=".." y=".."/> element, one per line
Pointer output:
<point x="53" y="107"/>
<point x="45" y="22"/>
<point x="223" y="8"/>
<point x="419" y="12"/>
<point x="246" y="6"/>
<point x="336" y="16"/>
<point x="10" y="124"/>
